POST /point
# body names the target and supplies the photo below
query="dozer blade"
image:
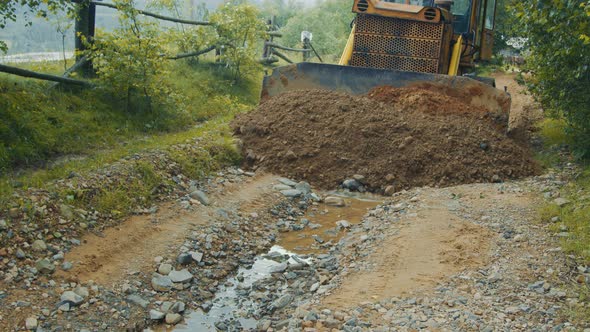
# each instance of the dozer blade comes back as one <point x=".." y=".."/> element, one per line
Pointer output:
<point x="359" y="80"/>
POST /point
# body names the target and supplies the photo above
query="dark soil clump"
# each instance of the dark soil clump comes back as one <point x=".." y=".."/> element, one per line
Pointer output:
<point x="326" y="137"/>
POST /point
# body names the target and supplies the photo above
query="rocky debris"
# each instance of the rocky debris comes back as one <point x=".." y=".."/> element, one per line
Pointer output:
<point x="136" y="299"/>
<point x="165" y="269"/>
<point x="334" y="144"/>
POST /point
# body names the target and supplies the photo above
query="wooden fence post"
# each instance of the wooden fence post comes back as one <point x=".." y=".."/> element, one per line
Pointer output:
<point x="84" y="30"/>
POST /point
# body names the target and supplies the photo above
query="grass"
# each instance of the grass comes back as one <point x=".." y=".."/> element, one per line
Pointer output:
<point x="41" y="128"/>
<point x="572" y="220"/>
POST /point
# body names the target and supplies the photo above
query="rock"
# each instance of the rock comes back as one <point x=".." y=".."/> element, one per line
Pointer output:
<point x="288" y="182"/>
<point x="161" y="283"/>
<point x="351" y="184"/>
<point x="304" y="187"/>
<point x="335" y="201"/>
<point x="45" y="266"/>
<point x="496" y="178"/>
<point x="291" y="193"/>
<point x="173" y="319"/>
<point x="71" y="298"/>
<point x="3" y="224"/>
<point x="31" y="323"/>
<point x="66" y="266"/>
<point x="164" y="269"/>
<point x="82" y="291"/>
<point x="389" y="190"/>
<point x="196" y="256"/>
<point x="156" y="315"/>
<point x="177" y="307"/>
<point x="13" y="213"/>
<point x="66" y="211"/>
<point x="282" y="301"/>
<point x="39" y="245"/>
<point x="561" y="201"/>
<point x="342" y="224"/>
<point x="184" y="258"/>
<point x="279" y="268"/>
<point x="263" y="325"/>
<point x="360" y="178"/>
<point x="20" y="254"/>
<point x="200" y="196"/>
<point x="136" y="299"/>
<point x="181" y="276"/>
<point x="281" y="187"/>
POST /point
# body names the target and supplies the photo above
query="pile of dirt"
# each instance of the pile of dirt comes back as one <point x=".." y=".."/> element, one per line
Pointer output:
<point x="393" y="137"/>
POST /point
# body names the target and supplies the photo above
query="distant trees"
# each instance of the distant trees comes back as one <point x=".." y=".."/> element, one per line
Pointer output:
<point x="330" y="23"/>
<point x="9" y="10"/>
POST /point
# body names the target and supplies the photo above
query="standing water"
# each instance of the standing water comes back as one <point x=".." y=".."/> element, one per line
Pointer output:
<point x="321" y="227"/>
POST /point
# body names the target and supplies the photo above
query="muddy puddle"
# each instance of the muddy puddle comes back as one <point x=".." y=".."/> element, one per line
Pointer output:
<point x="325" y="225"/>
<point x="233" y="307"/>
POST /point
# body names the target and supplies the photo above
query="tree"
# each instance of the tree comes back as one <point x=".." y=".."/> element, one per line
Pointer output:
<point x="129" y="60"/>
<point x="239" y="32"/>
<point x="329" y="21"/>
<point x="557" y="32"/>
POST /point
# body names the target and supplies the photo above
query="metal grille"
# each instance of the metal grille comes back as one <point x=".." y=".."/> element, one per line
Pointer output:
<point x="391" y="43"/>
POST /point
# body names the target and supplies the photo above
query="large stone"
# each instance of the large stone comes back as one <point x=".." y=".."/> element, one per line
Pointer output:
<point x="45" y="266"/>
<point x="342" y="224"/>
<point x="165" y="269"/>
<point x="156" y="315"/>
<point x="292" y="193"/>
<point x="181" y="276"/>
<point x="136" y="299"/>
<point x="335" y="201"/>
<point x="66" y="212"/>
<point x="196" y="256"/>
<point x="72" y="298"/>
<point x="39" y="245"/>
<point x="561" y="201"/>
<point x="281" y="187"/>
<point x="31" y="323"/>
<point x="351" y="184"/>
<point x="389" y="190"/>
<point x="184" y="258"/>
<point x="282" y="301"/>
<point x="177" y="307"/>
<point x="173" y="319"/>
<point x="288" y="182"/>
<point x="161" y="283"/>
<point x="200" y="196"/>
<point x="82" y="291"/>
<point x="304" y="187"/>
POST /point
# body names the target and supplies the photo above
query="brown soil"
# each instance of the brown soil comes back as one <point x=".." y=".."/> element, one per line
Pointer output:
<point x="427" y="249"/>
<point x="132" y="246"/>
<point x="325" y="137"/>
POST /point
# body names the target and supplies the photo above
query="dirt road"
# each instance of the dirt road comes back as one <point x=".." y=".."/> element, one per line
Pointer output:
<point x="261" y="252"/>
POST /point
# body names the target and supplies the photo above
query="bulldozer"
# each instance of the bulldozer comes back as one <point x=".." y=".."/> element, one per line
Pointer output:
<point x="406" y="43"/>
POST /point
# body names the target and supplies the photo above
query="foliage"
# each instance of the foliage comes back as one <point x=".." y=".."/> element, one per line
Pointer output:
<point x="10" y="9"/>
<point x="129" y="60"/>
<point x="239" y="32"/>
<point x="507" y="26"/>
<point x="557" y="32"/>
<point x="329" y="21"/>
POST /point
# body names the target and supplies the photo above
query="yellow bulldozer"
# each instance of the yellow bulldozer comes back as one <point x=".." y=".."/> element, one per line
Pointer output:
<point x="404" y="43"/>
